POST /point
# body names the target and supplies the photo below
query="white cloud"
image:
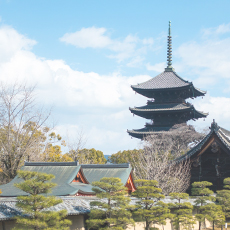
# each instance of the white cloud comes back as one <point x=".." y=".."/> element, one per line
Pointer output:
<point x="137" y="61"/>
<point x="219" y="30"/>
<point x="91" y="89"/>
<point x="208" y="60"/>
<point x="159" y="67"/>
<point x="218" y="109"/>
<point x="148" y="41"/>
<point x="98" y="102"/>
<point x="131" y="47"/>
<point x="88" y="38"/>
<point x="12" y="42"/>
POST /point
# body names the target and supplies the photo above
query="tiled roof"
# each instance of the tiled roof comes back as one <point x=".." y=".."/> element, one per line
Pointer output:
<point x="162" y="81"/>
<point x="115" y="166"/>
<point x="72" y="163"/>
<point x="64" y="175"/>
<point x="73" y="205"/>
<point x="163" y="107"/>
<point x="82" y="188"/>
<point x="222" y="133"/>
<point x="150" y="130"/>
<point x="96" y="173"/>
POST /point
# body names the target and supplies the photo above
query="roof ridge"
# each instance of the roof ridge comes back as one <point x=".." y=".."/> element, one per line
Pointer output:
<point x="124" y="165"/>
<point x="186" y="81"/>
<point x="157" y="80"/>
<point x="147" y="80"/>
<point x="72" y="163"/>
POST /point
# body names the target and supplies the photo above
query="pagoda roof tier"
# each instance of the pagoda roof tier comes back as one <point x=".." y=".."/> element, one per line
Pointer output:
<point x="167" y="81"/>
<point x="154" y="109"/>
<point x="148" y="130"/>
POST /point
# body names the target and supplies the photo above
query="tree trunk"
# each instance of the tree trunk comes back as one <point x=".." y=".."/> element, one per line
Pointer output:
<point x="147" y="225"/>
<point x="171" y="225"/>
<point x="199" y="225"/>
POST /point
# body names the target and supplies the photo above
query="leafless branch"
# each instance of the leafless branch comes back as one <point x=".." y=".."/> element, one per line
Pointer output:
<point x="156" y="161"/>
<point x="20" y="127"/>
<point x="76" y="144"/>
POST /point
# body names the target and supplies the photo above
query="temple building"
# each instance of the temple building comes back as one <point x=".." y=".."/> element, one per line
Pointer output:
<point x="73" y="187"/>
<point x="167" y="105"/>
<point x="73" y="179"/>
<point x="210" y="159"/>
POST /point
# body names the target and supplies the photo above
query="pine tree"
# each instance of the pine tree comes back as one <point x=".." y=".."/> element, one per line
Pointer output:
<point x="223" y="198"/>
<point x="214" y="214"/>
<point x="149" y="206"/>
<point x="181" y="211"/>
<point x="202" y="195"/>
<point x="110" y="211"/>
<point x="35" y="205"/>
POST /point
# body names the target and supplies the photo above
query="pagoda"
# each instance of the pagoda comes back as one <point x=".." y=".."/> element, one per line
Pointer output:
<point x="167" y="105"/>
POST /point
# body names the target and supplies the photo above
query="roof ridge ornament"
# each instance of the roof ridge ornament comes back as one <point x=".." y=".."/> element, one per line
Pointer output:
<point x="169" y="51"/>
<point x="214" y="125"/>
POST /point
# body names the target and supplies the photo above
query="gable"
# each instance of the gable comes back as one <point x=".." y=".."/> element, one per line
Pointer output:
<point x="123" y="171"/>
<point x="211" y="163"/>
<point x="80" y="178"/>
<point x="130" y="184"/>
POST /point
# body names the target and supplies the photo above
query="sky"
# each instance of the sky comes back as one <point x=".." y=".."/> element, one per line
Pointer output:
<point x="84" y="55"/>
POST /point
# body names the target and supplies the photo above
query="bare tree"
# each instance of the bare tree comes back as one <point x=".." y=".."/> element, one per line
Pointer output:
<point x="21" y="127"/>
<point x="156" y="162"/>
<point x="76" y="144"/>
<point x="183" y="138"/>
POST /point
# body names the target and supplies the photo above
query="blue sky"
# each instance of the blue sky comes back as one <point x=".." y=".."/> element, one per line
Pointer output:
<point x="84" y="55"/>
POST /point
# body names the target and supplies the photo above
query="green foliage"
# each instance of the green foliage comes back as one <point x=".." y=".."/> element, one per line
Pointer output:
<point x="149" y="206"/>
<point x="223" y="198"/>
<point x="213" y="213"/>
<point x="18" y="145"/>
<point x="34" y="206"/>
<point x="227" y="183"/>
<point x="88" y="156"/>
<point x="110" y="211"/>
<point x="202" y="193"/>
<point x="32" y="143"/>
<point x="126" y="156"/>
<point x="53" y="153"/>
<point x="181" y="211"/>
<point x="202" y="196"/>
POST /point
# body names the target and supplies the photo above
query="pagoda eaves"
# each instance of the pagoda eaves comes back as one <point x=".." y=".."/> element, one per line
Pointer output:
<point x="167" y="83"/>
<point x="151" y="111"/>
<point x="169" y="107"/>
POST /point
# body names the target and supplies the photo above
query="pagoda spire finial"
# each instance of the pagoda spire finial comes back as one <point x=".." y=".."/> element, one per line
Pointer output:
<point x="169" y="51"/>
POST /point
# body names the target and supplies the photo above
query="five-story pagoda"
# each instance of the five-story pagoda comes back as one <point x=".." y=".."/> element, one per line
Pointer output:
<point x="167" y="106"/>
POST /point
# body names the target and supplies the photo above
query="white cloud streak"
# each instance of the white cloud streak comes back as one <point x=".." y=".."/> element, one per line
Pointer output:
<point x="219" y="30"/>
<point x="131" y="47"/>
<point x="88" y="38"/>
